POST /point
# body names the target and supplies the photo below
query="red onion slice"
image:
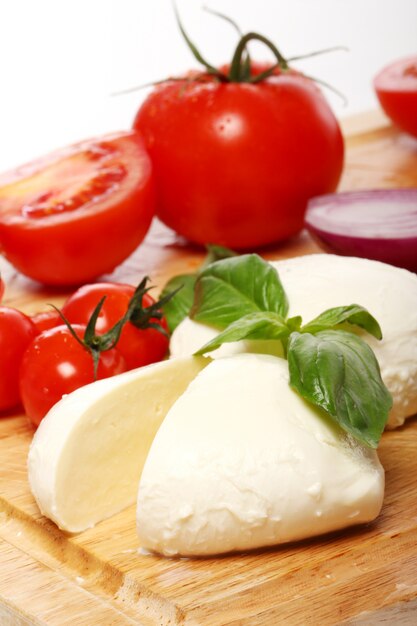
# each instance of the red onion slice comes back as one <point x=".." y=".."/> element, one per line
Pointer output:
<point x="376" y="224"/>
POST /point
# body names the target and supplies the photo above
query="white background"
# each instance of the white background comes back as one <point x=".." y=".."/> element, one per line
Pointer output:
<point x="60" y="60"/>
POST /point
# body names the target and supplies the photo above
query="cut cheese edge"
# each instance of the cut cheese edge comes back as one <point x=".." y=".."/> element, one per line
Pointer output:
<point x="253" y="465"/>
<point x="87" y="455"/>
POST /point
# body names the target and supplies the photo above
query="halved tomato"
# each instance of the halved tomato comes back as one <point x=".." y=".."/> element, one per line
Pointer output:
<point x="79" y="212"/>
<point x="396" y="88"/>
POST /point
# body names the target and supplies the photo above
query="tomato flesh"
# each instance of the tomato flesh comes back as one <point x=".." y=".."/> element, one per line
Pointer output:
<point x="396" y="88"/>
<point x="83" y="178"/>
<point x="55" y="364"/>
<point x="78" y="213"/>
<point x="235" y="163"/>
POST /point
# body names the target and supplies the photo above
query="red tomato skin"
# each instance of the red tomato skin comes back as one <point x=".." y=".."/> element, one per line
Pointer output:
<point x="16" y="333"/>
<point x="143" y="347"/>
<point x="1" y="289"/>
<point x="396" y="88"/>
<point x="80" y="305"/>
<point x="77" y="246"/>
<point x="139" y="347"/>
<point x="46" y="320"/>
<point x="55" y="364"/>
<point x="235" y="163"/>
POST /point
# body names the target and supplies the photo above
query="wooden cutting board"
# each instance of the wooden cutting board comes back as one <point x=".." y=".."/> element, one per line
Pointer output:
<point x="363" y="576"/>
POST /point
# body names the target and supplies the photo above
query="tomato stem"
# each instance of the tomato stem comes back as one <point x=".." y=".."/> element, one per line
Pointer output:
<point x="198" y="76"/>
<point x="95" y="344"/>
<point x="235" y="74"/>
<point x="141" y="316"/>
<point x="328" y="86"/>
<point x="315" y="53"/>
<point x="265" y="74"/>
<point x="224" y="17"/>
<point x="246" y="61"/>
<point x="240" y="68"/>
<point x="196" y="53"/>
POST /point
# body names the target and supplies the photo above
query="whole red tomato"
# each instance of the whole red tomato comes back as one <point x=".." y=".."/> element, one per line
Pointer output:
<point x="396" y="88"/>
<point x="236" y="162"/>
<point x="54" y="364"/>
<point x="79" y="212"/>
<point x="16" y="333"/>
<point x="139" y="346"/>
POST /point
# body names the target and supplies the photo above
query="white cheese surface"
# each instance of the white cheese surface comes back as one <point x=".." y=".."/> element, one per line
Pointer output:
<point x="241" y="462"/>
<point x="317" y="282"/>
<point x="87" y="455"/>
<point x="189" y="336"/>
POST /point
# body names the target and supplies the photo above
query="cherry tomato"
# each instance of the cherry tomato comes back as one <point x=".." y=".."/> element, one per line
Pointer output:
<point x="78" y="213"/>
<point x="138" y="346"/>
<point x="16" y="333"/>
<point x="46" y="320"/>
<point x="55" y="364"/>
<point x="396" y="88"/>
<point x="235" y="162"/>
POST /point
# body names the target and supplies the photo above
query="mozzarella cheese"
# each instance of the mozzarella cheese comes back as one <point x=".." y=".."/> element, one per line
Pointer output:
<point x="189" y="336"/>
<point x="317" y="282"/>
<point x="87" y="455"/>
<point x="241" y="462"/>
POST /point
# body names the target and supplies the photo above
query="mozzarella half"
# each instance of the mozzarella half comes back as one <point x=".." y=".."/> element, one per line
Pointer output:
<point x="87" y="455"/>
<point x="314" y="283"/>
<point x="241" y="462"/>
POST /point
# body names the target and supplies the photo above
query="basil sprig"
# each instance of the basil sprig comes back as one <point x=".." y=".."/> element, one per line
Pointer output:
<point x="330" y="367"/>
<point x="179" y="306"/>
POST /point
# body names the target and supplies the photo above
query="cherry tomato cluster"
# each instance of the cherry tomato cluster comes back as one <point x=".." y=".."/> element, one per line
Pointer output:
<point x="102" y="330"/>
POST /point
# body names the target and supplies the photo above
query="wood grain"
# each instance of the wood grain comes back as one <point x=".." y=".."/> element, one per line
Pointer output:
<point x="366" y="575"/>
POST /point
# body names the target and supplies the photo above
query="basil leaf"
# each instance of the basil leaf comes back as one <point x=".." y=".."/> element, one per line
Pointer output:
<point x="337" y="371"/>
<point x="176" y="309"/>
<point x="353" y="314"/>
<point x="262" y="325"/>
<point x="229" y="289"/>
<point x="179" y="306"/>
